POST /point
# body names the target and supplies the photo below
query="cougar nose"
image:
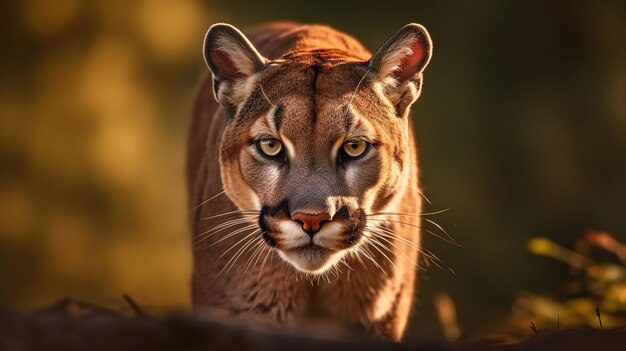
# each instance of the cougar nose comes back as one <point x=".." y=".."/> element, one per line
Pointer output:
<point x="311" y="223"/>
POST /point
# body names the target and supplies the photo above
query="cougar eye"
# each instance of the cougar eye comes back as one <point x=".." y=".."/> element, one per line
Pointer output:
<point x="355" y="148"/>
<point x="270" y="147"/>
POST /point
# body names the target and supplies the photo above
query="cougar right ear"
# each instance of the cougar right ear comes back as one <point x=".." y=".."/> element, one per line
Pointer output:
<point x="399" y="63"/>
<point x="231" y="58"/>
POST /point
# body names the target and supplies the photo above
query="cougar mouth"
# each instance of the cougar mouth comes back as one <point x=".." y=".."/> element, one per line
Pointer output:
<point x="313" y="252"/>
<point x="311" y="258"/>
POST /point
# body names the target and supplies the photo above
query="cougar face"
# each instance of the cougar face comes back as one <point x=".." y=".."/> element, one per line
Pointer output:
<point x="315" y="141"/>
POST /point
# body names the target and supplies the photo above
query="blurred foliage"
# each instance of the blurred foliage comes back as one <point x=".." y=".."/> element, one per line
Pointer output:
<point x="95" y="101"/>
<point x="594" y="284"/>
<point x="521" y="125"/>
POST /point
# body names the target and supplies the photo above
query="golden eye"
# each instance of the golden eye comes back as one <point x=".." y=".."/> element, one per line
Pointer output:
<point x="355" y="148"/>
<point x="270" y="147"/>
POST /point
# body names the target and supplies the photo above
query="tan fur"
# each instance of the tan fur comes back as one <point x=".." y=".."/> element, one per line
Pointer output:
<point x="320" y="82"/>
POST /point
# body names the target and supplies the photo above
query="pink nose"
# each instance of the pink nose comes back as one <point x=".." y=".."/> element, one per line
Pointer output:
<point x="311" y="223"/>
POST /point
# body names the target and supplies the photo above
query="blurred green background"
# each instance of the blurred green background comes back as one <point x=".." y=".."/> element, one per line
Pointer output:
<point x="521" y="127"/>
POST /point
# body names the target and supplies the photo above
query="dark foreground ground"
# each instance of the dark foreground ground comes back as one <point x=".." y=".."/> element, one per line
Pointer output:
<point x="70" y="325"/>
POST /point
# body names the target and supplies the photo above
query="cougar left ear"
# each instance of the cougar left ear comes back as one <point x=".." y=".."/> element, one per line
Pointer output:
<point x="230" y="57"/>
<point x="399" y="63"/>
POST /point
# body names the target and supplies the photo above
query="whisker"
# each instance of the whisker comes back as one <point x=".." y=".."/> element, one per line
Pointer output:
<point x="209" y="199"/>
<point x="337" y="271"/>
<point x="396" y="236"/>
<point x="390" y="234"/>
<point x="405" y="241"/>
<point x="254" y="249"/>
<point x="368" y="256"/>
<point x="419" y="192"/>
<point x="436" y="212"/>
<point x="343" y="261"/>
<point x="257" y="249"/>
<point x="451" y="241"/>
<point x="263" y="264"/>
<point x="357" y="87"/>
<point x="226" y="224"/>
<point x="235" y="244"/>
<point x="229" y="235"/>
<point x="209" y="233"/>
<point x="374" y="242"/>
<point x="385" y="237"/>
<point x="291" y="271"/>
<point x="235" y="255"/>
<point x="437" y="261"/>
<point x="246" y="213"/>
<point x="438" y="226"/>
<point x="259" y="255"/>
<point x="423" y="251"/>
<point x="325" y="276"/>
<point x="238" y="254"/>
<point x="266" y="98"/>
<point x="426" y="254"/>
<point x="407" y="214"/>
<point x="358" y="257"/>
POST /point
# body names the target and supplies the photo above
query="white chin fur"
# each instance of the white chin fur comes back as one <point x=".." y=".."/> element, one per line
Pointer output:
<point x="311" y="261"/>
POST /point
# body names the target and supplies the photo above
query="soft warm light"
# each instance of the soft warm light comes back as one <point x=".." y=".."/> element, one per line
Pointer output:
<point x="171" y="28"/>
<point x="45" y="18"/>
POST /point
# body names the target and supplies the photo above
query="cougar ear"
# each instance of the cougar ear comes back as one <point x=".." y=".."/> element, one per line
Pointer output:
<point x="231" y="57"/>
<point x="399" y="63"/>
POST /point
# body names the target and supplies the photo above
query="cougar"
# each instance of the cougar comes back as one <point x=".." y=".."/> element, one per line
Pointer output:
<point x="302" y="177"/>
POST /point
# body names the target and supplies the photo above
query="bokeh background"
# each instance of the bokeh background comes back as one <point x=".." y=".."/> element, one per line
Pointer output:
<point x="521" y="127"/>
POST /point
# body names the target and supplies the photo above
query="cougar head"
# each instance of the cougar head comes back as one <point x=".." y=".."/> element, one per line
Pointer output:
<point x="315" y="140"/>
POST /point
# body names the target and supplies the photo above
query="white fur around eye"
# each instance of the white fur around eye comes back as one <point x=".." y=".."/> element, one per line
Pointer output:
<point x="351" y="173"/>
<point x="291" y="152"/>
<point x="273" y="175"/>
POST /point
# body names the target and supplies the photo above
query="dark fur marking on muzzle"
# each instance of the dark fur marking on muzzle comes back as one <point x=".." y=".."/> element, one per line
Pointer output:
<point x="269" y="240"/>
<point x="356" y="224"/>
<point x="269" y="211"/>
